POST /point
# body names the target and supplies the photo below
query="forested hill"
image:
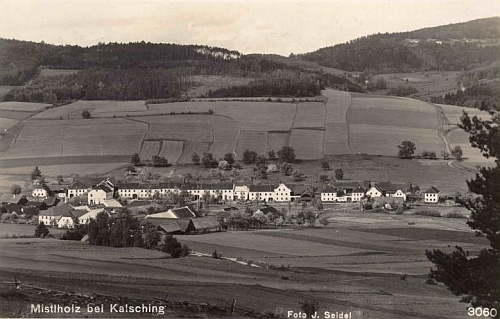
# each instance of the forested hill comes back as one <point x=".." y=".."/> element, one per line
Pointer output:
<point x="140" y="70"/>
<point x="453" y="47"/>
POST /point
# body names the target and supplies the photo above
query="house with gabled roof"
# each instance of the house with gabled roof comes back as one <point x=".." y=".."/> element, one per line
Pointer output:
<point x="328" y="194"/>
<point x="387" y="189"/>
<point x="76" y="189"/>
<point x="14" y="199"/>
<point x="52" y="215"/>
<point x="41" y="191"/>
<point x="92" y="214"/>
<point x="261" y="192"/>
<point x="67" y="220"/>
<point x="431" y="195"/>
<point x="174" y="213"/>
<point x="203" y="225"/>
<point x="99" y="194"/>
<point x="241" y="191"/>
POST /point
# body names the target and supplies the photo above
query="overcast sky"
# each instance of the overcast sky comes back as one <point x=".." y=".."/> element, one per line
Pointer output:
<point x="271" y="26"/>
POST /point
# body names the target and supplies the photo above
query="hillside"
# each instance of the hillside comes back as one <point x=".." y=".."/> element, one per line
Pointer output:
<point x="453" y="47"/>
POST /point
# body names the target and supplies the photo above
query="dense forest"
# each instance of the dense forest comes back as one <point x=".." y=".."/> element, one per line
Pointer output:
<point x="484" y="96"/>
<point x="455" y="47"/>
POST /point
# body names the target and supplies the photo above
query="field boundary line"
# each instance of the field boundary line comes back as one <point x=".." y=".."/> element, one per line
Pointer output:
<point x="145" y="134"/>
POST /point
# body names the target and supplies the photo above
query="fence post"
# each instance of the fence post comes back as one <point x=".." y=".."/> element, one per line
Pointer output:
<point x="233" y="305"/>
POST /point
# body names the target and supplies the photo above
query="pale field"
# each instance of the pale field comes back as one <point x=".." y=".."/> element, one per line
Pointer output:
<point x="275" y="141"/>
<point x="336" y="139"/>
<point x="190" y="148"/>
<point x="194" y="128"/>
<point x="56" y="72"/>
<point x="64" y="169"/>
<point x="77" y="137"/>
<point x="225" y="135"/>
<point x="205" y="83"/>
<point x="96" y="108"/>
<point x="336" y="106"/>
<point x="427" y="83"/>
<point x="453" y="113"/>
<point x="15" y="115"/>
<point x="149" y="149"/>
<point x="259" y="116"/>
<point x="22" y="106"/>
<point x="253" y="141"/>
<point x="178" y="107"/>
<point x="6" y="123"/>
<point x="459" y="137"/>
<point x="171" y="150"/>
<point x="383" y="140"/>
<point x="392" y="112"/>
<point x="308" y="144"/>
<point x="310" y="115"/>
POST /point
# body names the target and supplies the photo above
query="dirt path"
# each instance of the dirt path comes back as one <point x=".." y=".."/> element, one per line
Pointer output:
<point x="145" y="134"/>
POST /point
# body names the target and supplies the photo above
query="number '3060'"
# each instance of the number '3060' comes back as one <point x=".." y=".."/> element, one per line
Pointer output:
<point x="482" y="312"/>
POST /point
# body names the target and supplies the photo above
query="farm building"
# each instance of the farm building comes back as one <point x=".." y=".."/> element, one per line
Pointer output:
<point x="266" y="210"/>
<point x="261" y="192"/>
<point x="99" y="194"/>
<point x="174" y="213"/>
<point x="41" y="191"/>
<point x="88" y="216"/>
<point x="202" y="225"/>
<point x="76" y="189"/>
<point x="112" y="203"/>
<point x="52" y="215"/>
<point x="165" y="225"/>
<point x="241" y="191"/>
<point x="14" y="199"/>
<point x="386" y="189"/>
<point x="301" y="192"/>
<point x="219" y="191"/>
<point x="67" y="220"/>
<point x="431" y="195"/>
<point x="329" y="194"/>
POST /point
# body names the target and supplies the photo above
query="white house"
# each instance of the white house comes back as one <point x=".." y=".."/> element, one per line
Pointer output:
<point x="41" y="191"/>
<point x="328" y="194"/>
<point x="374" y="191"/>
<point x="67" y="220"/>
<point x="99" y="194"/>
<point x="261" y="192"/>
<point x="87" y="217"/>
<point x="431" y="195"/>
<point x="282" y="193"/>
<point x="76" y="189"/>
<point x="168" y="188"/>
<point x="52" y="215"/>
<point x="358" y="194"/>
<point x="241" y="192"/>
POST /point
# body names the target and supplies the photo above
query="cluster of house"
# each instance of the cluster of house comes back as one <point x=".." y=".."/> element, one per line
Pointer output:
<point x="103" y="192"/>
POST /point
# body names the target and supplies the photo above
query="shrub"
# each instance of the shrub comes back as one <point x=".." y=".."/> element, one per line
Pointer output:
<point x="429" y="213"/>
<point x="86" y="114"/>
<point x="173" y="247"/>
<point x="430" y="282"/>
<point x="216" y="255"/>
<point x="41" y="230"/>
<point x="454" y="215"/>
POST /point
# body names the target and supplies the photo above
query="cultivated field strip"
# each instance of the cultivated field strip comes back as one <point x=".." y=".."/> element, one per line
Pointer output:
<point x="308" y="144"/>
<point x="336" y="139"/>
<point x="392" y="112"/>
<point x="56" y="72"/>
<point x="179" y="107"/>
<point x="252" y="140"/>
<point x="310" y="115"/>
<point x="171" y="150"/>
<point x="22" y="106"/>
<point x="194" y="128"/>
<point x="96" y="108"/>
<point x="383" y="139"/>
<point x="336" y="106"/>
<point x="459" y="137"/>
<point x="190" y="148"/>
<point x="225" y="135"/>
<point x="453" y="113"/>
<point x="276" y="140"/>
<point x="259" y="116"/>
<point x="149" y="149"/>
<point x="6" y="123"/>
<point x="15" y="115"/>
<point x="52" y="138"/>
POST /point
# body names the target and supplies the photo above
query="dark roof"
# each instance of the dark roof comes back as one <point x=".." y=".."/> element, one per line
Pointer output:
<point x="13" y="208"/>
<point x="388" y="186"/>
<point x="104" y="187"/>
<point x="433" y="190"/>
<point x="228" y="209"/>
<point x="50" y="201"/>
<point x="364" y="185"/>
<point x="183" y="224"/>
<point x="78" y="213"/>
<point x="205" y="223"/>
<point x="57" y="210"/>
<point x="77" y="185"/>
<point x="89" y="181"/>
<point x="128" y="186"/>
<point x="359" y="190"/>
<point x="164" y="224"/>
<point x="169" y="185"/>
<point x="329" y="190"/>
<point x="183" y="212"/>
<point x="262" y="188"/>
<point x="12" y="199"/>
<point x="35" y="203"/>
<point x="268" y="209"/>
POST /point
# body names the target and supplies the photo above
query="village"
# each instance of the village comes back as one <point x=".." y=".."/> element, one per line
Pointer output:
<point x="200" y="207"/>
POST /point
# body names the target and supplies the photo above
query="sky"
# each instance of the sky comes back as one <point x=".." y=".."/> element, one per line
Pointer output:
<point x="251" y="26"/>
